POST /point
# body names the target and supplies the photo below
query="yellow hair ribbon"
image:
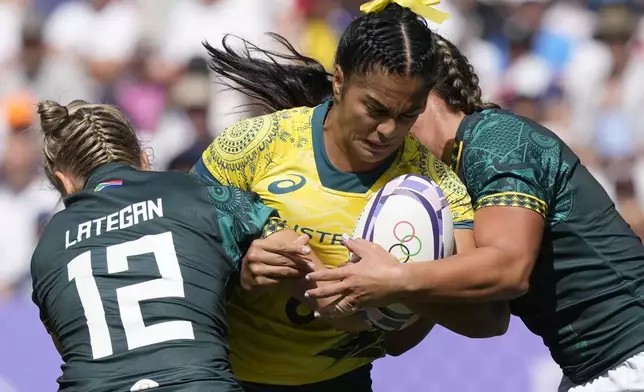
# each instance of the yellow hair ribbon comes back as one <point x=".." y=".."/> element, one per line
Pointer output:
<point x="420" y="7"/>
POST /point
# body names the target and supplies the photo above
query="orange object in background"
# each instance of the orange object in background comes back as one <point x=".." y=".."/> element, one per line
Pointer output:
<point x="19" y="110"/>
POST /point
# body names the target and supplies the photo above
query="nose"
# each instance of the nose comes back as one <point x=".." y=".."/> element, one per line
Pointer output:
<point x="387" y="128"/>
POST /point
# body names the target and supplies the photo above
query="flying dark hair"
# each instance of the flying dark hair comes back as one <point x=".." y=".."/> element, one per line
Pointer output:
<point x="394" y="41"/>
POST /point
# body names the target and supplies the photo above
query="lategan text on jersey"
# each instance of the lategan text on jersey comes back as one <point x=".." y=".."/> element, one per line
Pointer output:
<point x="126" y="217"/>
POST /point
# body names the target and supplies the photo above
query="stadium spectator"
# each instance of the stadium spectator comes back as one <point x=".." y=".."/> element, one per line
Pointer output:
<point x="43" y="73"/>
<point x="192" y="22"/>
<point x="185" y="122"/>
<point x="103" y="34"/>
<point x="25" y="201"/>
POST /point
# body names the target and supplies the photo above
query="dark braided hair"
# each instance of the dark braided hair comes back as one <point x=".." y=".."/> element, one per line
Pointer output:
<point x="394" y="41"/>
<point x="458" y="84"/>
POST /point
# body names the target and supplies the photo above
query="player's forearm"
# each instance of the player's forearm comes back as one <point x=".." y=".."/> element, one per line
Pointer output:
<point x="484" y="274"/>
<point x="472" y="320"/>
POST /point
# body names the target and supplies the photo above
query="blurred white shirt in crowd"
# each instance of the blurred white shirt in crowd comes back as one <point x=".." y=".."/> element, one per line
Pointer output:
<point x="585" y="84"/>
<point x="11" y="18"/>
<point x="21" y="213"/>
<point x="60" y="78"/>
<point x="528" y="76"/>
<point x="486" y="58"/>
<point x="111" y="34"/>
<point x="191" y="22"/>
<point x="569" y="19"/>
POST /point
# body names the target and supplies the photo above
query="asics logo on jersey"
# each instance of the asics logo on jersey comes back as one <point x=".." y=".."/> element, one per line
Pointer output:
<point x="281" y="187"/>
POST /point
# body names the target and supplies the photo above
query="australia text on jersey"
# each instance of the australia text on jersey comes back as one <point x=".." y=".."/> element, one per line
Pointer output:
<point x="124" y="218"/>
<point x="323" y="237"/>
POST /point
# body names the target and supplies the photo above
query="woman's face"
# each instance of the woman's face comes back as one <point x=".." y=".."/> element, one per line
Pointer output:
<point x="376" y="112"/>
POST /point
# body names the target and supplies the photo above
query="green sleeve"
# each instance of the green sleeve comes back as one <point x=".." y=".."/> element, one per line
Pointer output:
<point x="200" y="171"/>
<point x="508" y="163"/>
<point x="241" y="216"/>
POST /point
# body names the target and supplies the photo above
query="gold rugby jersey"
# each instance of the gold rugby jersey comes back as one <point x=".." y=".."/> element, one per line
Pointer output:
<point x="275" y="339"/>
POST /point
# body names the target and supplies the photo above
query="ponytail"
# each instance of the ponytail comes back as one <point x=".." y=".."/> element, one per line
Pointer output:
<point x="296" y="80"/>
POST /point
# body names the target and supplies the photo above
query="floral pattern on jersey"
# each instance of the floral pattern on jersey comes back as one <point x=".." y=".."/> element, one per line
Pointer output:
<point x="241" y="216"/>
<point x="241" y="150"/>
<point x="455" y="191"/>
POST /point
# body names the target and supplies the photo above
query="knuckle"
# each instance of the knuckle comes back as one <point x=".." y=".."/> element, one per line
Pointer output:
<point x="253" y="269"/>
<point x="284" y="272"/>
<point x="251" y="255"/>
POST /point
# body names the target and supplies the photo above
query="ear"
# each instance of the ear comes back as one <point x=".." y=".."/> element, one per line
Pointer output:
<point x="69" y="185"/>
<point x="338" y="82"/>
<point x="145" y="161"/>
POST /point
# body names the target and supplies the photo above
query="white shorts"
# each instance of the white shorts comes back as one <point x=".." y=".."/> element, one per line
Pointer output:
<point x="628" y="376"/>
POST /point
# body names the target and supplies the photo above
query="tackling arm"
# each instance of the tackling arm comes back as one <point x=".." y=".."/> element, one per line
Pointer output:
<point x="511" y="172"/>
<point x="508" y="240"/>
<point x="471" y="320"/>
<point x="479" y="320"/>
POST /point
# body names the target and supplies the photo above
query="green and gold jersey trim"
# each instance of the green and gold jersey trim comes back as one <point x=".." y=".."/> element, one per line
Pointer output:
<point x="513" y="199"/>
<point x="457" y="150"/>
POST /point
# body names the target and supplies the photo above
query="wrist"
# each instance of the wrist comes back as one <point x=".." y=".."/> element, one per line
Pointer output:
<point x="404" y="285"/>
<point x="413" y="282"/>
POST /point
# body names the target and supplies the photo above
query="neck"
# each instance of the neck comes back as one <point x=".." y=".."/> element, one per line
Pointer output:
<point x="440" y="139"/>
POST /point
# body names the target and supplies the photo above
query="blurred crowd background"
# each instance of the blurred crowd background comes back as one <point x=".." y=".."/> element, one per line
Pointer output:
<point x="576" y="66"/>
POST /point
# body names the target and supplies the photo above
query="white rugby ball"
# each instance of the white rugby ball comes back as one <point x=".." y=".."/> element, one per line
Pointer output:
<point x="409" y="217"/>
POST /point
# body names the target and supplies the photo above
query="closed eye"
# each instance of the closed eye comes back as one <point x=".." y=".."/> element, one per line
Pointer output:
<point x="377" y="112"/>
<point x="409" y="116"/>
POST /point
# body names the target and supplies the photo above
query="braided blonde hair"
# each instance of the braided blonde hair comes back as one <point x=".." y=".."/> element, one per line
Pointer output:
<point x="81" y="136"/>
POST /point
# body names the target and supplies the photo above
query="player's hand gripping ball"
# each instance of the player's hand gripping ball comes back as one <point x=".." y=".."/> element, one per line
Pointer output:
<point x="406" y="221"/>
<point x="410" y="217"/>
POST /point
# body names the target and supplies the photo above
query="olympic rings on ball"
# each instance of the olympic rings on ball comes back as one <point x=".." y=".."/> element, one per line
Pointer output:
<point x="404" y="250"/>
<point x="405" y="240"/>
<point x="413" y="231"/>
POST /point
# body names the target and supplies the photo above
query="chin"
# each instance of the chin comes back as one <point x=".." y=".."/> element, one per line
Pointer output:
<point x="375" y="156"/>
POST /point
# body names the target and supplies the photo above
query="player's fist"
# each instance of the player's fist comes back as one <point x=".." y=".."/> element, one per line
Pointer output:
<point x="270" y="261"/>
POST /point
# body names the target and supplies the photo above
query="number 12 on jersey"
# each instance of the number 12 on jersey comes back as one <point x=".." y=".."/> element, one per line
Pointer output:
<point x="136" y="333"/>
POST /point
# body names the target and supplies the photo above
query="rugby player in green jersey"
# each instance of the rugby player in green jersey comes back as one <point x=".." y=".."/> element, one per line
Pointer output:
<point x="131" y="278"/>
<point x="548" y="237"/>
